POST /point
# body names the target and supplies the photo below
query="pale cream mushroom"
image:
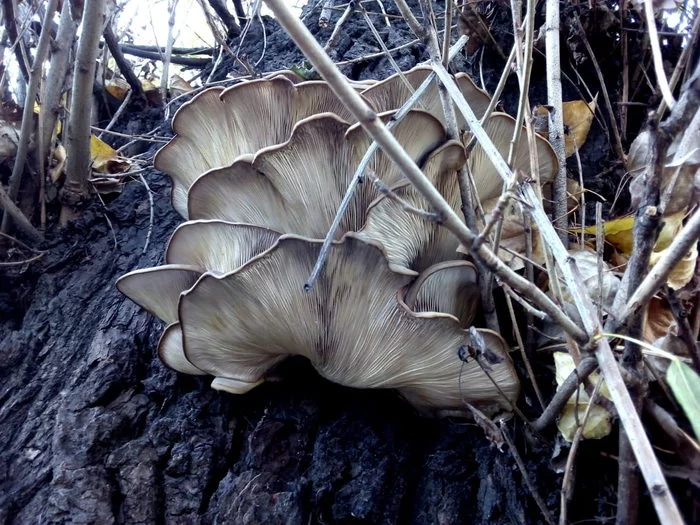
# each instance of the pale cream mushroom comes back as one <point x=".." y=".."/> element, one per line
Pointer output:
<point x="412" y="241"/>
<point x="195" y="247"/>
<point x="296" y="187"/>
<point x="352" y="326"/>
<point x="218" y="246"/>
<point x="392" y="92"/>
<point x="428" y="292"/>
<point x="220" y="125"/>
<point x="157" y="290"/>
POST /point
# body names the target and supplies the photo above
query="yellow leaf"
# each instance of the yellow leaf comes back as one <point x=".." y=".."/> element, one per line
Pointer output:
<point x="598" y="424"/>
<point x="619" y="232"/>
<point x="578" y="116"/>
<point x="105" y="158"/>
<point x="118" y="88"/>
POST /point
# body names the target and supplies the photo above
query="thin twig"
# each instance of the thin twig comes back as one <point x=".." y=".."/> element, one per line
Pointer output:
<point x="661" y="79"/>
<point x="117" y="114"/>
<point x="556" y="118"/>
<point x="335" y="35"/>
<point x="151" y="207"/>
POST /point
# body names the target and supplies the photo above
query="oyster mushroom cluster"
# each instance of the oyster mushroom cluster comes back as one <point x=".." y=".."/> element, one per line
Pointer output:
<point x="258" y="171"/>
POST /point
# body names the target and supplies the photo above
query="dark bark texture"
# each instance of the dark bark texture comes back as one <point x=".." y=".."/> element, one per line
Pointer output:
<point x="94" y="429"/>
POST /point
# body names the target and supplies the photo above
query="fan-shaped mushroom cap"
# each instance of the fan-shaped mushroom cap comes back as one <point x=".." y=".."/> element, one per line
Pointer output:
<point x="392" y="92"/>
<point x="411" y="241"/>
<point x="449" y="287"/>
<point x="219" y="125"/>
<point x="157" y="290"/>
<point x="171" y="353"/>
<point x="296" y="187"/>
<point x="500" y="128"/>
<point x="351" y="326"/>
<point x="218" y="246"/>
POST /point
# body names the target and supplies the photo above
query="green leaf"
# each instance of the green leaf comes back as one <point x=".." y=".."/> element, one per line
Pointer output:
<point x="685" y="384"/>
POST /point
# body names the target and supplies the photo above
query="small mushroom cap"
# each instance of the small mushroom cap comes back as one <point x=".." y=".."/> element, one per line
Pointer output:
<point x="296" y="187"/>
<point x="392" y="92"/>
<point x="172" y="354"/>
<point x="158" y="290"/>
<point x="449" y="287"/>
<point x="410" y="240"/>
<point x="500" y="128"/>
<point x="219" y="125"/>
<point x="217" y="246"/>
<point x="351" y="326"/>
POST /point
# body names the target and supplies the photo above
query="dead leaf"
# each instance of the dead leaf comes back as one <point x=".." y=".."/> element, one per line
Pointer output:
<point x="57" y="163"/>
<point x="681" y="168"/>
<point x="118" y="88"/>
<point x="9" y="137"/>
<point x="105" y="158"/>
<point x="179" y="86"/>
<point x="578" y="116"/>
<point x="599" y="419"/>
<point x="587" y="264"/>
<point x="619" y="232"/>
<point x="683" y="272"/>
<point x="657" y="319"/>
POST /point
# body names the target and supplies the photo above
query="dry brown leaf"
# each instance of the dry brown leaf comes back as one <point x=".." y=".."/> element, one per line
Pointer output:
<point x="179" y="85"/>
<point x="578" y="116"/>
<point x="681" y="168"/>
<point x="57" y="163"/>
<point x="118" y="88"/>
<point x="657" y="319"/>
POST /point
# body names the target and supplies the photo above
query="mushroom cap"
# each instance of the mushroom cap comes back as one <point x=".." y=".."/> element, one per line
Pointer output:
<point x="171" y="353"/>
<point x="219" y="125"/>
<point x="217" y="246"/>
<point x="296" y="187"/>
<point x="158" y="289"/>
<point x="352" y="326"/>
<point x="392" y="92"/>
<point x="449" y="287"/>
<point x="411" y="241"/>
